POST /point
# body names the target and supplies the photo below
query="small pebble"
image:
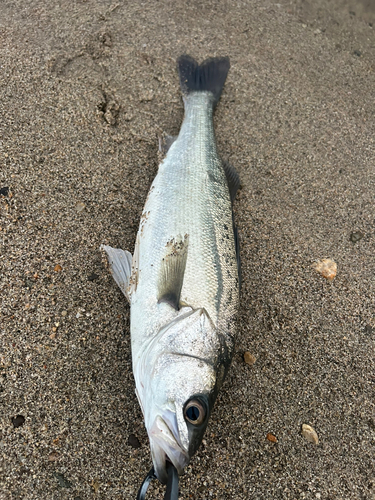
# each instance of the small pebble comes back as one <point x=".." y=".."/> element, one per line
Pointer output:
<point x="53" y="456"/>
<point x="4" y="191"/>
<point x="111" y="113"/>
<point x="80" y="207"/>
<point x="356" y="236"/>
<point x="57" y="268"/>
<point x="92" y="277"/>
<point x="272" y="438"/>
<point x="146" y="96"/>
<point x="309" y="434"/>
<point x="105" y="39"/>
<point x="249" y="358"/>
<point x="327" y="268"/>
<point x="52" y="336"/>
<point x="64" y="313"/>
<point x="95" y="484"/>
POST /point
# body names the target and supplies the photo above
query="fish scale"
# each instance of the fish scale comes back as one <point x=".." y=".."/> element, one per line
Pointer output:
<point x="190" y="196"/>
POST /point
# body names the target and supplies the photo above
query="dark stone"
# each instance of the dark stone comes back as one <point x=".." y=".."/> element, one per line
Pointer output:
<point x="4" y="191"/>
<point x="133" y="441"/>
<point x="368" y="329"/>
<point x="357" y="53"/>
<point x="92" y="277"/>
<point x="18" y="421"/>
<point x="63" y="482"/>
<point x="356" y="236"/>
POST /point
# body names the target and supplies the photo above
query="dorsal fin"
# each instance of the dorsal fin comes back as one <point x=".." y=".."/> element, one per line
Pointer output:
<point x="165" y="142"/>
<point x="172" y="271"/>
<point x="237" y="243"/>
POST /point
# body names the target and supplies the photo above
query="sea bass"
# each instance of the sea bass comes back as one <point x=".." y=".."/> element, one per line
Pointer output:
<point x="182" y="281"/>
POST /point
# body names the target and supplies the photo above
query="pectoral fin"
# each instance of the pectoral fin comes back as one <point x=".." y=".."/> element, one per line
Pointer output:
<point x="120" y="262"/>
<point x="172" y="271"/>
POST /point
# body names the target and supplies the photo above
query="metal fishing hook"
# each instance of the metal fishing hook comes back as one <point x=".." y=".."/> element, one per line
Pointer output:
<point x="171" y="492"/>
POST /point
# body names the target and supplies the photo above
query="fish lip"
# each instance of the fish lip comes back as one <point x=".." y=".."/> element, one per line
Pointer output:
<point x="165" y="447"/>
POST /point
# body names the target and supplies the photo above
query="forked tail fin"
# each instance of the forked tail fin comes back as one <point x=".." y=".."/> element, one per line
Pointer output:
<point x="210" y="76"/>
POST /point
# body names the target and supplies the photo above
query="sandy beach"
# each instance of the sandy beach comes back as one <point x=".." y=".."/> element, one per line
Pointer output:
<point x="86" y="90"/>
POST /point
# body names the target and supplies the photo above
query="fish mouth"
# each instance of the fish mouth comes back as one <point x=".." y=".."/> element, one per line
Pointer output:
<point x="165" y="448"/>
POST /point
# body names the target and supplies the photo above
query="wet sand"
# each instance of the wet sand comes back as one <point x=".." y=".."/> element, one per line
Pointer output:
<point x="85" y="92"/>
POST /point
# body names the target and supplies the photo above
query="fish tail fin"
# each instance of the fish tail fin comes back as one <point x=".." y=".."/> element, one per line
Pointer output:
<point x="209" y="76"/>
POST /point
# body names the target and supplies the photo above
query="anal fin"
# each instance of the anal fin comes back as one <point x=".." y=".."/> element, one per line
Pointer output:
<point x="172" y="271"/>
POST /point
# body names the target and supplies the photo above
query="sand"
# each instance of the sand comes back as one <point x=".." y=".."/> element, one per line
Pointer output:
<point x="86" y="89"/>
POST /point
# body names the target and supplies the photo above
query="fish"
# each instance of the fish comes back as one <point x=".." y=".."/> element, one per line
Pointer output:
<point x="183" y="279"/>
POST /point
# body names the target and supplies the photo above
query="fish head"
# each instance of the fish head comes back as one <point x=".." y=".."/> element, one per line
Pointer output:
<point x="181" y="407"/>
<point x="180" y="389"/>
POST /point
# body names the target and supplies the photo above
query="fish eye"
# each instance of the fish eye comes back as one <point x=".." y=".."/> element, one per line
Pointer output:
<point x="195" y="412"/>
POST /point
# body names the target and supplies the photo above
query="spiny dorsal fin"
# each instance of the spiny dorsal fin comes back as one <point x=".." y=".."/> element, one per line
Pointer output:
<point x="172" y="271"/>
<point x="165" y="142"/>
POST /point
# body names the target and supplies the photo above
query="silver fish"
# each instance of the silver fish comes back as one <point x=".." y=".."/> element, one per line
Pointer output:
<point x="183" y="280"/>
